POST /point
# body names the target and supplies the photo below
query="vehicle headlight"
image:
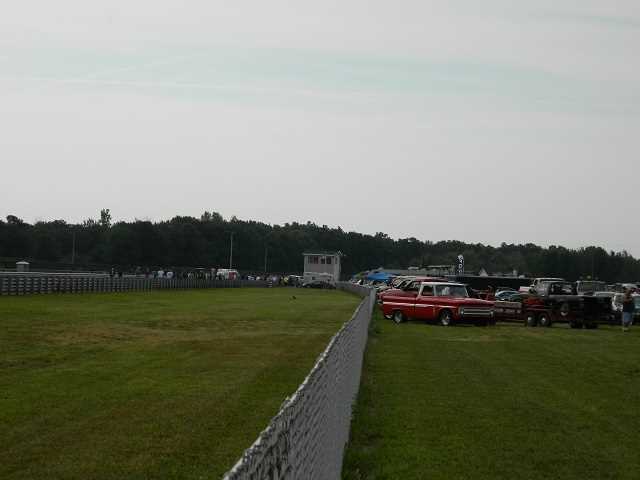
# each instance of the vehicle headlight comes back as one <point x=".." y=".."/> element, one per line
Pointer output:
<point x="461" y="310"/>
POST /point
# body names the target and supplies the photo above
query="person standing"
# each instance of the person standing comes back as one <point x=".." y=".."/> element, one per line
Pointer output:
<point x="628" y="307"/>
<point x="491" y="295"/>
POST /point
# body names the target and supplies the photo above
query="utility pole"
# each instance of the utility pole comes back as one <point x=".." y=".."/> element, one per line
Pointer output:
<point x="73" y="247"/>
<point x="231" y="253"/>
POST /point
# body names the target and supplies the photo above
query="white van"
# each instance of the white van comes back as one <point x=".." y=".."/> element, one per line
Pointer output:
<point x="227" y="274"/>
<point x="309" y="277"/>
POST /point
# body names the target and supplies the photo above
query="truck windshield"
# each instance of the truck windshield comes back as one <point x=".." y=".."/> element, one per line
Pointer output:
<point x="457" y="291"/>
<point x="556" y="288"/>
<point x="587" y="286"/>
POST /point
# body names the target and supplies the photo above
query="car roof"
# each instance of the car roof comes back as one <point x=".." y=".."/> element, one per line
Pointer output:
<point x="449" y="284"/>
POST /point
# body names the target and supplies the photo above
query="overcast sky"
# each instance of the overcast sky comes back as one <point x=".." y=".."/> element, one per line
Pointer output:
<point x="494" y="121"/>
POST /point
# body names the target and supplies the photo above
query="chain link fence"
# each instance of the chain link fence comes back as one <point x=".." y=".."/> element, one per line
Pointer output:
<point x="34" y="283"/>
<point x="307" y="438"/>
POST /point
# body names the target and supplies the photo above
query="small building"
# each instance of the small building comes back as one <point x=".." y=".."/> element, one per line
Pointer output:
<point x="324" y="265"/>
<point x="22" y="266"/>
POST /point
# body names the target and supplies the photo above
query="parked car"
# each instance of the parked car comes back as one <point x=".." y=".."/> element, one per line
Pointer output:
<point x="444" y="302"/>
<point x="400" y="279"/>
<point x="504" y="294"/>
<point x="510" y="297"/>
<point x="293" y="280"/>
<point x="403" y="283"/>
<point x="621" y="287"/>
<point x="514" y="297"/>
<point x="504" y="289"/>
<point x="380" y="286"/>
<point x="318" y="284"/>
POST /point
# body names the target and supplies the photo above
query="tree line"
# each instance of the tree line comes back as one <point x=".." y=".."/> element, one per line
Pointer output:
<point x="189" y="242"/>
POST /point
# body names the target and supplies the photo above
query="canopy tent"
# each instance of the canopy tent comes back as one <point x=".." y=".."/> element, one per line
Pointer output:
<point x="380" y="277"/>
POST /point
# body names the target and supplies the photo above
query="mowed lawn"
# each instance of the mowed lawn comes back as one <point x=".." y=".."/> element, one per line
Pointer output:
<point x="151" y="385"/>
<point x="503" y="402"/>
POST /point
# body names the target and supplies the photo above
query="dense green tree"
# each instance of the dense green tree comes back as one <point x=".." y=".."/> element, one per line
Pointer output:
<point x="16" y="238"/>
<point x="185" y="241"/>
<point x="105" y="217"/>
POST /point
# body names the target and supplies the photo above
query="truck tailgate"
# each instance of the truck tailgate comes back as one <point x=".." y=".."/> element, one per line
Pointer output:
<point x="506" y="311"/>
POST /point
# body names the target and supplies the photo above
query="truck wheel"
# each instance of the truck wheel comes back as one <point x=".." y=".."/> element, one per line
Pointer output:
<point x="544" y="320"/>
<point x="530" y="320"/>
<point x="445" y="318"/>
<point x="398" y="316"/>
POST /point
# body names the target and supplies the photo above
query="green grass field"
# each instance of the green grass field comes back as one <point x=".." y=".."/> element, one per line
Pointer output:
<point x="170" y="384"/>
<point x="501" y="402"/>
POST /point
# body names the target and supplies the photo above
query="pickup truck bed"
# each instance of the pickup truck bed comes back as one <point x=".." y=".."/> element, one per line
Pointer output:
<point x="576" y="310"/>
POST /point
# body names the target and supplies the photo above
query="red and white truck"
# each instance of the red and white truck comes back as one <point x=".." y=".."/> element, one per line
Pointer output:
<point x="444" y="302"/>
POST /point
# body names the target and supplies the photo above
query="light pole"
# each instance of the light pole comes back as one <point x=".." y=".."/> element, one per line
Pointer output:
<point x="231" y="253"/>
<point x="265" y="258"/>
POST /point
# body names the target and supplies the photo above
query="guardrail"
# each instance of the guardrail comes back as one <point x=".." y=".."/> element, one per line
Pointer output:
<point x="307" y="438"/>
<point x="31" y="284"/>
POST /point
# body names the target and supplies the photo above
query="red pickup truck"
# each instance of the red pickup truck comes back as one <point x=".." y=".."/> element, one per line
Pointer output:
<point x="444" y="302"/>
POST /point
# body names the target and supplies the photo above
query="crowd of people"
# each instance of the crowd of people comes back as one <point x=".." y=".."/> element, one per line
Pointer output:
<point x="208" y="274"/>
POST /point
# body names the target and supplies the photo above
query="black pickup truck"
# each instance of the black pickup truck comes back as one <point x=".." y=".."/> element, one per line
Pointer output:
<point x="555" y="302"/>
